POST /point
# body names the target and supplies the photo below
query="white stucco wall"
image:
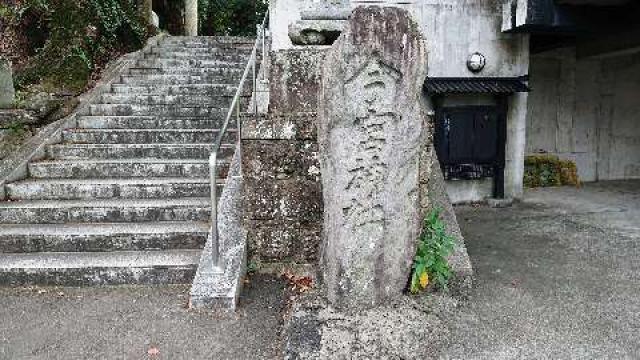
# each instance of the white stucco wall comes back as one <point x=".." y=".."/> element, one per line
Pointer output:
<point x="281" y="14"/>
<point x="587" y="110"/>
<point x="454" y="29"/>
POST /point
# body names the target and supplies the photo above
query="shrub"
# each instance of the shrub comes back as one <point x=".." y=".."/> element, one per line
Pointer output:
<point x="548" y="170"/>
<point x="430" y="264"/>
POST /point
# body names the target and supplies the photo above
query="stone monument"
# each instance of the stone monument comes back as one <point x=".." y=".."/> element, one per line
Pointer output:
<point x="7" y="92"/>
<point x="371" y="131"/>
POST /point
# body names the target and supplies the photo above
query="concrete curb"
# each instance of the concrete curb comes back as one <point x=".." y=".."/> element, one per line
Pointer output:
<point x="221" y="291"/>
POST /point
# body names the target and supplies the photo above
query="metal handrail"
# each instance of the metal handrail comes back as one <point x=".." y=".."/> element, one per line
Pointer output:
<point x="213" y="158"/>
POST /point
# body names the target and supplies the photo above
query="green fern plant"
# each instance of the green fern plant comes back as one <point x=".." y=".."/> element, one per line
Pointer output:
<point x="430" y="264"/>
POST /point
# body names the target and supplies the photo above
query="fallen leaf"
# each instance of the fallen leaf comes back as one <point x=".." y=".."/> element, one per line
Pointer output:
<point x="424" y="280"/>
<point x="153" y="351"/>
<point x="303" y="283"/>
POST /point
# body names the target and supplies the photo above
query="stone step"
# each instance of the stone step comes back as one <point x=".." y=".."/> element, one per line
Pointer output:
<point x="236" y="40"/>
<point x="187" y="89"/>
<point x="232" y="43"/>
<point x="31" y="238"/>
<point x="194" y="47"/>
<point x="147" y="122"/>
<point x="199" y="54"/>
<point x="99" y="268"/>
<point x="198" y="47"/>
<point x="118" y="188"/>
<point x="231" y="78"/>
<point x="135" y="151"/>
<point x="217" y="101"/>
<point x="165" y="110"/>
<point x="242" y="45"/>
<point x="145" y="136"/>
<point x="216" y="60"/>
<point x="228" y="69"/>
<point x="132" y="168"/>
<point x="107" y="210"/>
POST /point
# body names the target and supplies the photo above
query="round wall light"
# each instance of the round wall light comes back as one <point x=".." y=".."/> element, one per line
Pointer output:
<point x="476" y="62"/>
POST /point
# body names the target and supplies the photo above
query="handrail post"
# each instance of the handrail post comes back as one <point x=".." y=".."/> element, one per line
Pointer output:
<point x="255" y="88"/>
<point x="215" y="245"/>
<point x="239" y="131"/>
<point x="264" y="48"/>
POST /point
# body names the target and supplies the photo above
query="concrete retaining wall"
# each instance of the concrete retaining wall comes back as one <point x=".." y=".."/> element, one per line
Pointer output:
<point x="587" y="110"/>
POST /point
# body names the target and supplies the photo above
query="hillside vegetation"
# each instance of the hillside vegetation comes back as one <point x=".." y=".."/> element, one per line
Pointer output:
<point x="62" y="45"/>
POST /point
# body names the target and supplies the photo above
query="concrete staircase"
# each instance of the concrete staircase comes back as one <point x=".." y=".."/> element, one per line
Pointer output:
<point x="124" y="199"/>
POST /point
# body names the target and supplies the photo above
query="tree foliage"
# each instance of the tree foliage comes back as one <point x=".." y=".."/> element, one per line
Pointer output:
<point x="231" y="17"/>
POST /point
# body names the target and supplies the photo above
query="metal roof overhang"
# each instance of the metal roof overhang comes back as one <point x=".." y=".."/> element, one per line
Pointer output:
<point x="449" y="85"/>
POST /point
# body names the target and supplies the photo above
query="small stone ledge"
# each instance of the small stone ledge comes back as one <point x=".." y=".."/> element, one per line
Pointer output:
<point x="212" y="290"/>
<point x="500" y="203"/>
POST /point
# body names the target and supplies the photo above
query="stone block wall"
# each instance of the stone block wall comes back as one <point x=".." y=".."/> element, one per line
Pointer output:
<point x="295" y="79"/>
<point x="283" y="203"/>
<point x="283" y="207"/>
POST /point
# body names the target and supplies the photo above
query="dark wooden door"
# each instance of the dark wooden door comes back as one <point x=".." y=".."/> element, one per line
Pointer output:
<point x="470" y="142"/>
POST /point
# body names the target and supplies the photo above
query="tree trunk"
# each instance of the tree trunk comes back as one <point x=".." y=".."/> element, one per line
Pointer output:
<point x="191" y="17"/>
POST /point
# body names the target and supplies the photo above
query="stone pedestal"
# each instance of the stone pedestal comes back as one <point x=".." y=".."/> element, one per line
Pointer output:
<point x="321" y="23"/>
<point x="371" y="131"/>
<point x="191" y="17"/>
<point x="7" y="92"/>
